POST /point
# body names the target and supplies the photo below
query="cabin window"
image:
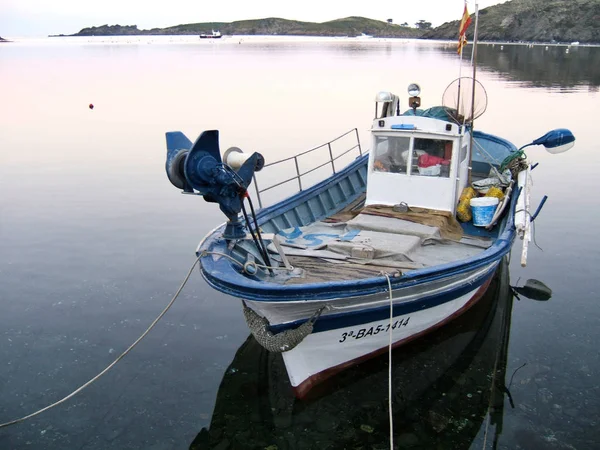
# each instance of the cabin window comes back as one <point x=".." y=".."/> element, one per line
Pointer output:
<point x="431" y="157"/>
<point x="391" y="154"/>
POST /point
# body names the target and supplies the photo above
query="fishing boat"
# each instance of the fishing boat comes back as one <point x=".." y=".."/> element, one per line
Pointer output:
<point x="213" y="35"/>
<point x="372" y="256"/>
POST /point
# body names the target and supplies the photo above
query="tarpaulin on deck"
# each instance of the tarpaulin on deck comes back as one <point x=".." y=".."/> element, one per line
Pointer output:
<point x="449" y="227"/>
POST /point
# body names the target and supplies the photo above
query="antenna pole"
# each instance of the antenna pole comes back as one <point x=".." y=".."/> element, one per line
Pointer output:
<point x="474" y="62"/>
<point x="474" y="59"/>
<point x="465" y="21"/>
<point x="459" y="73"/>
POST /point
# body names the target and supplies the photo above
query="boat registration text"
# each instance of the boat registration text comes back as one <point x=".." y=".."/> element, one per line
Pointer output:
<point x="364" y="332"/>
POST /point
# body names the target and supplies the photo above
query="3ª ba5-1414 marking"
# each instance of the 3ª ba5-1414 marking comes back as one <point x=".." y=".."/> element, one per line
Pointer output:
<point x="364" y="332"/>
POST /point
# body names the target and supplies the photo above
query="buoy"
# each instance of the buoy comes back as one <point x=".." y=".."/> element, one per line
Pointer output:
<point x="91" y="106"/>
<point x="463" y="210"/>
<point x="534" y="290"/>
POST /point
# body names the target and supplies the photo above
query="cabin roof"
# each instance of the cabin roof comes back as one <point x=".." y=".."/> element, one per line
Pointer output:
<point x="416" y="125"/>
<point x="435" y="112"/>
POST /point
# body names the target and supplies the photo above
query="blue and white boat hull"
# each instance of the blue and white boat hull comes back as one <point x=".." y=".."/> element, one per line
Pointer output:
<point x="353" y="329"/>
<point x="324" y="353"/>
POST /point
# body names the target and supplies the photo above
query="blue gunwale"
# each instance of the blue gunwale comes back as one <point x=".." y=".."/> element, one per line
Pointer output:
<point x="225" y="277"/>
<point x="269" y="292"/>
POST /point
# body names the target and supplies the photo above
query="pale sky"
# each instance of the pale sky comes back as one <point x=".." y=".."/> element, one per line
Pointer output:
<point x="43" y="17"/>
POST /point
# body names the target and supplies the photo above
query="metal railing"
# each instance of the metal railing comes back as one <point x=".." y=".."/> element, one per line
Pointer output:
<point x="299" y="175"/>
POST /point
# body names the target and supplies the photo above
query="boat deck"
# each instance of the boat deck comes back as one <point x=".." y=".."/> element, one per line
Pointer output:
<point x="362" y="242"/>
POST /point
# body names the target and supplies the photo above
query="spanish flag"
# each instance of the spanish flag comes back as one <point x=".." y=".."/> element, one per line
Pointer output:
<point x="462" y="29"/>
<point x="462" y="41"/>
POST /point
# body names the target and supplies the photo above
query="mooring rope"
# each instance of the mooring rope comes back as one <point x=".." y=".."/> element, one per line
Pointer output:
<point x="110" y="366"/>
<point x="390" y="365"/>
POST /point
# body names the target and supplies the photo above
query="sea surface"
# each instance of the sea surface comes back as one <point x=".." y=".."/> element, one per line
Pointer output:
<point x="94" y="242"/>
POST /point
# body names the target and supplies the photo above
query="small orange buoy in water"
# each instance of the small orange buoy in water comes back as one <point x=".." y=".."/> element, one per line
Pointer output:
<point x="91" y="106"/>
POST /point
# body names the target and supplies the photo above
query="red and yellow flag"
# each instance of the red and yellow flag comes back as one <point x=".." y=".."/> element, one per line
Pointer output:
<point x="462" y="29"/>
<point x="462" y="41"/>
<point x="464" y="23"/>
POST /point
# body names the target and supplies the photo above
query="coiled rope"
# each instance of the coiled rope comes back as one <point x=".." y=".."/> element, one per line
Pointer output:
<point x="515" y="162"/>
<point x="110" y="366"/>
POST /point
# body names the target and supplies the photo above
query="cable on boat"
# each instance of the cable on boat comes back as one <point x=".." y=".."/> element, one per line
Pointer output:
<point x="533" y="234"/>
<point x="110" y="366"/>
<point x="489" y="158"/>
<point x="257" y="228"/>
<point x="532" y="223"/>
<point x="258" y="241"/>
<point x="261" y="249"/>
<point x="390" y="365"/>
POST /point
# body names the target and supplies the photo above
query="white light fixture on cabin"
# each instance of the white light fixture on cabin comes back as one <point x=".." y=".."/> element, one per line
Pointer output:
<point x="383" y="97"/>
<point x="414" y="89"/>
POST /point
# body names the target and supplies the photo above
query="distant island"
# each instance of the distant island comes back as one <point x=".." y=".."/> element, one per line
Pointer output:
<point x="516" y="20"/>
<point x="350" y="26"/>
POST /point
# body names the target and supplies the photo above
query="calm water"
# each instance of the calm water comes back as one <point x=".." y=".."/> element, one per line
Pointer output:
<point x="94" y="241"/>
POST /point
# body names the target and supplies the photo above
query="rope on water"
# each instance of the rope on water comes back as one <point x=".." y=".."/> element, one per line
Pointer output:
<point x="110" y="366"/>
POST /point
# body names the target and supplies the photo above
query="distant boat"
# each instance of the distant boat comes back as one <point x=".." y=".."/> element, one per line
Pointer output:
<point x="214" y="35"/>
<point x="575" y="43"/>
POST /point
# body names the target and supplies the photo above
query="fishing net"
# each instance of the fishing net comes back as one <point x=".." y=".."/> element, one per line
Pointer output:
<point x="280" y="342"/>
<point x="459" y="97"/>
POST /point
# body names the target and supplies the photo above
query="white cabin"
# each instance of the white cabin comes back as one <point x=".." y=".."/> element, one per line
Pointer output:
<point x="420" y="161"/>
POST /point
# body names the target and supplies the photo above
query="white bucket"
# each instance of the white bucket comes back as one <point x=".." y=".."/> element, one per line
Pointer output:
<point x="483" y="209"/>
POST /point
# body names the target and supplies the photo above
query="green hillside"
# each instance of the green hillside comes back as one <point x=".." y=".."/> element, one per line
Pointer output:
<point x="350" y="26"/>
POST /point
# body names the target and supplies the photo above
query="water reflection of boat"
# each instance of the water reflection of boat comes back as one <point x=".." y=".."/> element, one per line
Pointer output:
<point x="444" y="388"/>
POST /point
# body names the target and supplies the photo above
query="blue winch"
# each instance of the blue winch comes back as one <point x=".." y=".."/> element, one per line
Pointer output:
<point x="199" y="169"/>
